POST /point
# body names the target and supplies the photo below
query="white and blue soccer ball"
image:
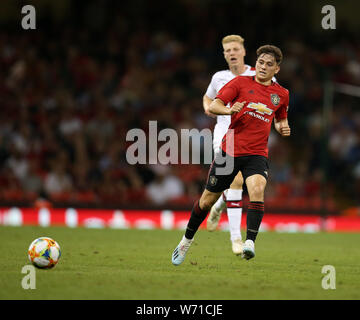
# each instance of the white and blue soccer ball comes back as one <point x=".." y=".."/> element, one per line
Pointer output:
<point x="44" y="253"/>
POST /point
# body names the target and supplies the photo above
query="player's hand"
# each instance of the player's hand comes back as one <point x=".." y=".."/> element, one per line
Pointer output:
<point x="236" y="107"/>
<point x="285" y="130"/>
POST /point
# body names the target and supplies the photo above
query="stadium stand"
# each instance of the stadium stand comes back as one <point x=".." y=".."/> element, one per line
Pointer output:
<point x="72" y="89"/>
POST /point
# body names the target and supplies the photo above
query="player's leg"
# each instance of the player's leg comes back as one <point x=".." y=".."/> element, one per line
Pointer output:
<point x="216" y="211"/>
<point x="215" y="185"/>
<point x="256" y="187"/>
<point x="220" y="205"/>
<point x="255" y="173"/>
<point x="198" y="214"/>
<point x="234" y="212"/>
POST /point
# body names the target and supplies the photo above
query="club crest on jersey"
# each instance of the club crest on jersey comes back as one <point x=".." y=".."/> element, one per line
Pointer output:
<point x="213" y="180"/>
<point x="275" y="99"/>
<point x="260" y="108"/>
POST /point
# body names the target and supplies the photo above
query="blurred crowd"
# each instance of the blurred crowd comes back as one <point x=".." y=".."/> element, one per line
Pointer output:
<point x="69" y="94"/>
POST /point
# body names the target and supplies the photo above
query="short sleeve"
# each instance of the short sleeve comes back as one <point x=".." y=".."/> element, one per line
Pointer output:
<point x="229" y="92"/>
<point x="211" y="91"/>
<point x="282" y="112"/>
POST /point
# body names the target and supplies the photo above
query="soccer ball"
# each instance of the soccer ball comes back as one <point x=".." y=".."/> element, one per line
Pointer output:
<point x="44" y="253"/>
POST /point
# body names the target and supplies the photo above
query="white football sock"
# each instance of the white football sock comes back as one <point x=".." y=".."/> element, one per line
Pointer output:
<point x="220" y="204"/>
<point x="234" y="212"/>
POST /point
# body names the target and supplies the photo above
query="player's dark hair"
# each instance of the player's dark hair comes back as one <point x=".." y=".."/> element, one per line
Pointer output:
<point x="272" y="50"/>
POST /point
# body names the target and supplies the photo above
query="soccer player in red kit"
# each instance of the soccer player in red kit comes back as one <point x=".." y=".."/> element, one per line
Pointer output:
<point x="255" y="102"/>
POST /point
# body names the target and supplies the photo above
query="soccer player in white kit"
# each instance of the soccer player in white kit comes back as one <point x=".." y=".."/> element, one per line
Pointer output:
<point x="234" y="53"/>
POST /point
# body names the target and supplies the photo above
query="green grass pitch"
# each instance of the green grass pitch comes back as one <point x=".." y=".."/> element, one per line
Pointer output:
<point x="136" y="264"/>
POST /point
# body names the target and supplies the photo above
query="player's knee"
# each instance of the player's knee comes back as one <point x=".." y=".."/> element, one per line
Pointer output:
<point x="237" y="183"/>
<point x="205" y="204"/>
<point x="256" y="192"/>
<point x="207" y="200"/>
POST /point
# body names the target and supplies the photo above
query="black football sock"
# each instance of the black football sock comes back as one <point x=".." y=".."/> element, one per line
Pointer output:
<point x="197" y="217"/>
<point x="255" y="214"/>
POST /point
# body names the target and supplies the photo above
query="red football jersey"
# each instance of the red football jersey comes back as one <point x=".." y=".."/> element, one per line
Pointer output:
<point x="249" y="130"/>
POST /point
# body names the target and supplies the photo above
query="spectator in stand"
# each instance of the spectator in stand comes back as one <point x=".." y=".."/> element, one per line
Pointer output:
<point x="69" y="96"/>
<point x="32" y="183"/>
<point x="165" y="187"/>
<point x="58" y="182"/>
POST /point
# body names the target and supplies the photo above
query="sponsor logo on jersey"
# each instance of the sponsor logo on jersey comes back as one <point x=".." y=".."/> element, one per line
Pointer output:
<point x="260" y="108"/>
<point x="275" y="99"/>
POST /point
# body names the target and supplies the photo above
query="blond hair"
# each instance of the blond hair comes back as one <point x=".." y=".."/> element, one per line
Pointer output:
<point x="233" y="37"/>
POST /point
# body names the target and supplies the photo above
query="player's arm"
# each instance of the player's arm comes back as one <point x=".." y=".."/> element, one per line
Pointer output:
<point x="206" y="104"/>
<point x="228" y="93"/>
<point x="281" y="120"/>
<point x="218" y="107"/>
<point x="282" y="126"/>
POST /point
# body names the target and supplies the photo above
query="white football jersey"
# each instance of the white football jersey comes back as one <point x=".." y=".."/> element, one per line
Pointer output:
<point x="218" y="80"/>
